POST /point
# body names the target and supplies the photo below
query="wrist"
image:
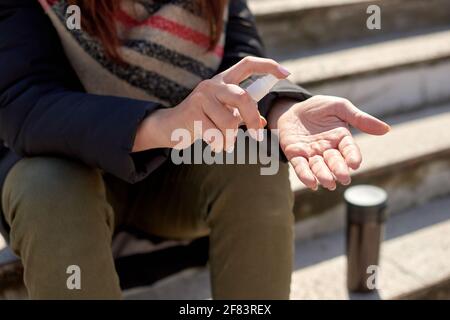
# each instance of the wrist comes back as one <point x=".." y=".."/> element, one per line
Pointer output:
<point x="154" y="132"/>
<point x="280" y="107"/>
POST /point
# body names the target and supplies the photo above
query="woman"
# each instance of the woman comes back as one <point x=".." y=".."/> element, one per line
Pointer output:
<point x="85" y="152"/>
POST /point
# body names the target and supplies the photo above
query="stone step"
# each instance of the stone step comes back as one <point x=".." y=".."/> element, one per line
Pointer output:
<point x="302" y="26"/>
<point x="413" y="264"/>
<point x="412" y="163"/>
<point x="386" y="78"/>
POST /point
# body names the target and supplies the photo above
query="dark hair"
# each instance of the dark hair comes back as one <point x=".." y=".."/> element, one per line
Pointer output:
<point x="98" y="20"/>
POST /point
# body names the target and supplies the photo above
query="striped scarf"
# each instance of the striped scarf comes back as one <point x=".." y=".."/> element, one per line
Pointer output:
<point x="164" y="47"/>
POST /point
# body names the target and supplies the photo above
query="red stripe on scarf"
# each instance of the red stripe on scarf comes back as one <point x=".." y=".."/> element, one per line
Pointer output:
<point x="171" y="27"/>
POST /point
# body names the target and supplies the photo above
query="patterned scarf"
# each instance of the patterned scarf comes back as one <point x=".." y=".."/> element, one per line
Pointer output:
<point x="164" y="46"/>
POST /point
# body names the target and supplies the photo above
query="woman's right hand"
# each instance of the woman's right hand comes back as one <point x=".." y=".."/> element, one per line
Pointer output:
<point x="218" y="103"/>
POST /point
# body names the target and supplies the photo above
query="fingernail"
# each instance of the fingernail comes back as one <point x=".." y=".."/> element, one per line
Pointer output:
<point x="347" y="182"/>
<point x="263" y="121"/>
<point x="284" y="71"/>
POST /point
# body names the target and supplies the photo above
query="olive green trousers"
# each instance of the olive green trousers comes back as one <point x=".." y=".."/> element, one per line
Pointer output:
<point x="62" y="213"/>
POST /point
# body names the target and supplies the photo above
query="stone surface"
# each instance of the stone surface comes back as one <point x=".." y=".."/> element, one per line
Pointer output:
<point x="414" y="257"/>
<point x="393" y="91"/>
<point x="381" y="78"/>
<point x="302" y="27"/>
<point x="268" y="7"/>
<point x="372" y="57"/>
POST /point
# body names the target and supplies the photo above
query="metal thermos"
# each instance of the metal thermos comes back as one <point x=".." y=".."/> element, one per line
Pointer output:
<point x="366" y="214"/>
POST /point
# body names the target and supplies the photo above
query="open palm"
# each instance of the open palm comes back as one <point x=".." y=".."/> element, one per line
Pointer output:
<point x="316" y="139"/>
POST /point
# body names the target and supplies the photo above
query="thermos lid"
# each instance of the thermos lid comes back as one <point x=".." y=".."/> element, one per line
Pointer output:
<point x="365" y="196"/>
<point x="366" y="203"/>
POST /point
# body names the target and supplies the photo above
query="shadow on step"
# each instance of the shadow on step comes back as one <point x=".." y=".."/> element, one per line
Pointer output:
<point x="330" y="246"/>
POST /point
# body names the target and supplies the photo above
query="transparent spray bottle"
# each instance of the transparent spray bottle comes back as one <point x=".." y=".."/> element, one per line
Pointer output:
<point x="258" y="86"/>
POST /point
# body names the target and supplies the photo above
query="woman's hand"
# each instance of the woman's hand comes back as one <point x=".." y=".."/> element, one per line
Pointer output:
<point x="315" y="137"/>
<point x="218" y="103"/>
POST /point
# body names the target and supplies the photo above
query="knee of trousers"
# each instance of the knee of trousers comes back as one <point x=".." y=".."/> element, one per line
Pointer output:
<point x="51" y="198"/>
<point x="247" y="196"/>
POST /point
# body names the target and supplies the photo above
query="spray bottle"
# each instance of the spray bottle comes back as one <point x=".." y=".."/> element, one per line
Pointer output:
<point x="259" y="86"/>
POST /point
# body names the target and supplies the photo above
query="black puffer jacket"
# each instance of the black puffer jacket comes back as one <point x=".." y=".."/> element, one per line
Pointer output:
<point x="45" y="111"/>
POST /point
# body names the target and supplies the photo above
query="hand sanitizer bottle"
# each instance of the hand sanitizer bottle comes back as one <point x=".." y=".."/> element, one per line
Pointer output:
<point x="258" y="88"/>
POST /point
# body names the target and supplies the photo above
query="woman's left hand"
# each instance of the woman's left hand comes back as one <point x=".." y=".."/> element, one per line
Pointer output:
<point x="315" y="137"/>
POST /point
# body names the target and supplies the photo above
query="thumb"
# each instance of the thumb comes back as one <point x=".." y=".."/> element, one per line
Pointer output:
<point x="364" y="121"/>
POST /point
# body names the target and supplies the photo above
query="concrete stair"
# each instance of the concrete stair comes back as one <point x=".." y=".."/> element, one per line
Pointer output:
<point x="403" y="67"/>
<point x="384" y="78"/>
<point x="293" y="26"/>
<point x="413" y="264"/>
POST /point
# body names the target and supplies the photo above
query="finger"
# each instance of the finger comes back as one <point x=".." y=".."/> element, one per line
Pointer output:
<point x="320" y="146"/>
<point x="294" y="150"/>
<point x="322" y="173"/>
<point x="304" y="173"/>
<point x="363" y="121"/>
<point x="236" y="114"/>
<point x="211" y="134"/>
<point x="224" y="120"/>
<point x="350" y="151"/>
<point x="237" y="97"/>
<point x="253" y="65"/>
<point x="331" y="138"/>
<point x="337" y="166"/>
<point x="263" y="121"/>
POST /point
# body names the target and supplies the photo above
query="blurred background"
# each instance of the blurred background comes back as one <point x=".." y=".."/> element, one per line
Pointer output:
<point x="399" y="72"/>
